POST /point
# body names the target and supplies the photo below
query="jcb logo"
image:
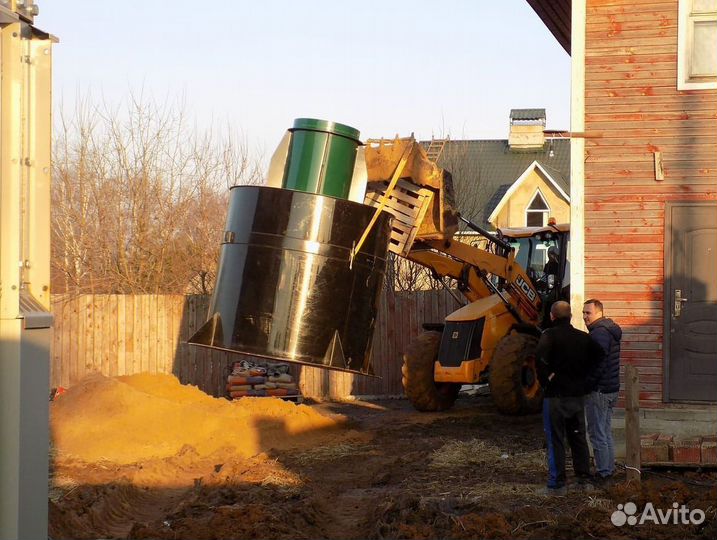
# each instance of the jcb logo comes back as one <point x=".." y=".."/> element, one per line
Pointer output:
<point x="527" y="289"/>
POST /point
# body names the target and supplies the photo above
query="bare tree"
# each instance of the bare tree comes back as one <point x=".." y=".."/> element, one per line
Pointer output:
<point x="139" y="199"/>
<point x="471" y="188"/>
<point x="405" y="275"/>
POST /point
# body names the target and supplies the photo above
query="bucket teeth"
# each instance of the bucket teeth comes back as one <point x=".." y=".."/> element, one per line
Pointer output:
<point x="210" y="333"/>
<point x="334" y="356"/>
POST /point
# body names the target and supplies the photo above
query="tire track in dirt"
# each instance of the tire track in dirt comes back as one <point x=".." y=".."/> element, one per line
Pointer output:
<point x="109" y="510"/>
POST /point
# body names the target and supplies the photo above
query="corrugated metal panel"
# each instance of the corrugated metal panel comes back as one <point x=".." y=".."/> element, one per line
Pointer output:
<point x="527" y="114"/>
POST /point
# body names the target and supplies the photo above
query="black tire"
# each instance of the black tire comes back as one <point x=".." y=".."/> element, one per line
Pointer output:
<point x="513" y="380"/>
<point x="423" y="392"/>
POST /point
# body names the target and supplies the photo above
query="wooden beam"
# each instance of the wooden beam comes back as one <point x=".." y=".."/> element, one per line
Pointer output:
<point x="659" y="168"/>
<point x="632" y="423"/>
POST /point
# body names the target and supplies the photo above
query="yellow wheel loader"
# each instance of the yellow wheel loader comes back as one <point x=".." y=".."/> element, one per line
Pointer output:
<point x="493" y="337"/>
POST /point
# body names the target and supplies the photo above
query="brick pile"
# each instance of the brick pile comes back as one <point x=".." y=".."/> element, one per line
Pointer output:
<point x="661" y="449"/>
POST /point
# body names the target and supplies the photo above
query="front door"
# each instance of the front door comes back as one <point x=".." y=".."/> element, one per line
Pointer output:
<point x="691" y="301"/>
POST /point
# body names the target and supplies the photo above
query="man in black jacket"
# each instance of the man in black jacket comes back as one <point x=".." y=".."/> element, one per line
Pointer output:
<point x="566" y="356"/>
<point x="604" y="384"/>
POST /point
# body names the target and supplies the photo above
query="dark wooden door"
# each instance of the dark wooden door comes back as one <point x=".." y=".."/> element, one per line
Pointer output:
<point x="691" y="301"/>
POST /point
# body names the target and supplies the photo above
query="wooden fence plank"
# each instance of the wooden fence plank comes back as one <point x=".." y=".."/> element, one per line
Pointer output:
<point x="99" y="335"/>
<point x="161" y="342"/>
<point x="121" y="334"/>
<point x="137" y="334"/>
<point x="151" y="325"/>
<point x="82" y="335"/>
<point x="177" y="322"/>
<point x="65" y="313"/>
<point x="145" y="303"/>
<point x="110" y="330"/>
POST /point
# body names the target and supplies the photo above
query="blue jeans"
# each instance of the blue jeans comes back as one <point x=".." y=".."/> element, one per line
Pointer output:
<point x="598" y="409"/>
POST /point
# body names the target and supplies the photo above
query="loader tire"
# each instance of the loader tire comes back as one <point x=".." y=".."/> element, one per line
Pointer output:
<point x="423" y="392"/>
<point x="513" y="380"/>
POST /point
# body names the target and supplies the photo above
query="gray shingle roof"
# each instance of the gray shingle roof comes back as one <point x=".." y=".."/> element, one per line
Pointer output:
<point x="484" y="170"/>
<point x="527" y="114"/>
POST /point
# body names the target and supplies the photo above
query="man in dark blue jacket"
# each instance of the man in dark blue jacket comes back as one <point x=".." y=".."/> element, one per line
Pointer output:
<point x="566" y="356"/>
<point x="604" y="384"/>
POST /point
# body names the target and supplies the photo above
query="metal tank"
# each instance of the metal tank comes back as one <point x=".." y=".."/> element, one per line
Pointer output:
<point x="288" y="287"/>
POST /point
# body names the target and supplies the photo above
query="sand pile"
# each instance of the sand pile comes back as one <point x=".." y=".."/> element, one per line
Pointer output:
<point x="139" y="417"/>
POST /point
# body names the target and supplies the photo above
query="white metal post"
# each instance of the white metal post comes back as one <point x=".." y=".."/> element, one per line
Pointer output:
<point x="25" y="322"/>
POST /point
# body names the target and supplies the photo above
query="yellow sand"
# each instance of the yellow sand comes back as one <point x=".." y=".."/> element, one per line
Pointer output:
<point x="138" y="417"/>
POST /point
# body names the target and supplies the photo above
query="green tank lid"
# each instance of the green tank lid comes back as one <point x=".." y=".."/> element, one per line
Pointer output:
<point x="321" y="157"/>
<point x="327" y="126"/>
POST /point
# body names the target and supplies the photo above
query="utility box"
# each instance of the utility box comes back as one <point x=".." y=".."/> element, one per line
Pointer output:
<point x="25" y="320"/>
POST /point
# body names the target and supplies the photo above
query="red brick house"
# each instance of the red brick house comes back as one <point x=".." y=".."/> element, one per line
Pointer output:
<point x="644" y="182"/>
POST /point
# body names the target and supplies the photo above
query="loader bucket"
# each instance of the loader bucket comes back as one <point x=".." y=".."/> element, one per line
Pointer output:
<point x="287" y="286"/>
<point x="422" y="202"/>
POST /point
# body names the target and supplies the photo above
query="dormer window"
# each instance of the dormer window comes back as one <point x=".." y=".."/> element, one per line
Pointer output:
<point x="536" y="215"/>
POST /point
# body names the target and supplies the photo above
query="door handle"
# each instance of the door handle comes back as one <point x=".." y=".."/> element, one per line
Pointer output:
<point x="678" y="302"/>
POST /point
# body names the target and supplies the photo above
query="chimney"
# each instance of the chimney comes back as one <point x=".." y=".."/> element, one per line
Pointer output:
<point x="526" y="129"/>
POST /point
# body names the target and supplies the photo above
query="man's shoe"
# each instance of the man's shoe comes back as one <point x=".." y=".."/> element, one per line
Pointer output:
<point x="554" y="491"/>
<point x="584" y="478"/>
<point x="582" y="486"/>
<point x="602" y="481"/>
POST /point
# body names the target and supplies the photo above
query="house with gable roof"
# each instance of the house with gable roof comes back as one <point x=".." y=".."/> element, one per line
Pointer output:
<point x="515" y="182"/>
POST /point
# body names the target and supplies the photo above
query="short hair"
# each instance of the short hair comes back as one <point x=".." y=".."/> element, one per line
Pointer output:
<point x="596" y="303"/>
<point x="561" y="310"/>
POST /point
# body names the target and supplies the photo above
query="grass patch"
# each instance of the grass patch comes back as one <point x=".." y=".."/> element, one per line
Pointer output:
<point x="476" y="452"/>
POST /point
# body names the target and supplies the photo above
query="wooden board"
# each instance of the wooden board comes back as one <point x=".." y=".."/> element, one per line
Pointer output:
<point x="408" y="204"/>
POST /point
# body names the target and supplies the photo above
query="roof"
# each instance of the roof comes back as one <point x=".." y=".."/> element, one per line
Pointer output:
<point x="527" y="114"/>
<point x="513" y="188"/>
<point x="556" y="15"/>
<point x="484" y="171"/>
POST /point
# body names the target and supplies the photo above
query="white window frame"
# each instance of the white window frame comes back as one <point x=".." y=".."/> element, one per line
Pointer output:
<point x="546" y="212"/>
<point x="685" y="25"/>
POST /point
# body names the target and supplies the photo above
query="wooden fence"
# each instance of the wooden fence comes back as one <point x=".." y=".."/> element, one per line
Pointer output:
<point x="123" y="335"/>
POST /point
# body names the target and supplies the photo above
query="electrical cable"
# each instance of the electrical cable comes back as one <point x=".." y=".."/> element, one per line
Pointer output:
<point x="669" y="477"/>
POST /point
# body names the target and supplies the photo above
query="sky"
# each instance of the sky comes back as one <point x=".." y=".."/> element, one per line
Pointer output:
<point x="452" y="68"/>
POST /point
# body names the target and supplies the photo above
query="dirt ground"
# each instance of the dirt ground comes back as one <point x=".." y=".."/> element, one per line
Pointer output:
<point x="373" y="470"/>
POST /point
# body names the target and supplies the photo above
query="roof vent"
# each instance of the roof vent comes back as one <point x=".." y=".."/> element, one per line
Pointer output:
<point x="526" y="129"/>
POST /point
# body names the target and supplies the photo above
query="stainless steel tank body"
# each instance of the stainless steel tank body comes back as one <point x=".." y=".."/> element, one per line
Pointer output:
<point x="287" y="287"/>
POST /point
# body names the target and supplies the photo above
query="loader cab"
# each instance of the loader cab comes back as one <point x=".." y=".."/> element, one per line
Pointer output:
<point x="544" y="253"/>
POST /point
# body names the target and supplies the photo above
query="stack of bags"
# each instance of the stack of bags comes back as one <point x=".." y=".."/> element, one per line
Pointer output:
<point x="255" y="379"/>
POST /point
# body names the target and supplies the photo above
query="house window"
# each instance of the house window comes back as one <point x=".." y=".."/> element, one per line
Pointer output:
<point x="697" y="44"/>
<point x="536" y="215"/>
